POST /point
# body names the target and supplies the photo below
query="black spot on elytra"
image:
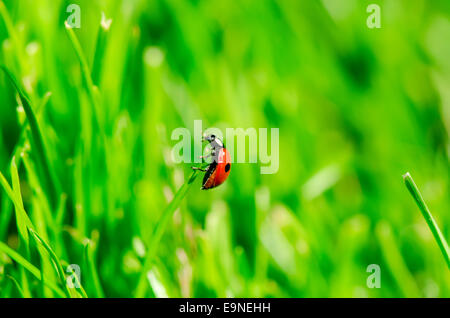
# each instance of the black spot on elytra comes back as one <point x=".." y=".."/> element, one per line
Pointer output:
<point x="227" y="167"/>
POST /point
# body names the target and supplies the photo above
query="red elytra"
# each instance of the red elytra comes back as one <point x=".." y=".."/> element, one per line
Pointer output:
<point x="217" y="172"/>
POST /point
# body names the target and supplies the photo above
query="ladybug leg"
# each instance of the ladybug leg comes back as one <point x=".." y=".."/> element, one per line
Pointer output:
<point x="212" y="153"/>
<point x="209" y="154"/>
<point x="201" y="169"/>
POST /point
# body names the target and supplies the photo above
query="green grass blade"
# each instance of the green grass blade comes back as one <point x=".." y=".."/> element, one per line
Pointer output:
<point x="33" y="181"/>
<point x="20" y="144"/>
<point x="77" y="281"/>
<point x="28" y="266"/>
<point x="56" y="262"/>
<point x="17" y="285"/>
<point x="85" y="72"/>
<point x="49" y="173"/>
<point x="9" y="192"/>
<point x="159" y="231"/>
<point x="61" y="211"/>
<point x="395" y="261"/>
<point x="89" y="257"/>
<point x="21" y="217"/>
<point x="13" y="34"/>
<point x="440" y="239"/>
<point x="54" y="258"/>
<point x="46" y="268"/>
<point x="5" y="217"/>
<point x="23" y="221"/>
<point x="52" y="254"/>
<point x="8" y="22"/>
<point x="102" y="37"/>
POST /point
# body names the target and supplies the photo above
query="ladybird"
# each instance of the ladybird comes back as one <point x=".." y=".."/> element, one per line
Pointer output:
<point x="219" y="168"/>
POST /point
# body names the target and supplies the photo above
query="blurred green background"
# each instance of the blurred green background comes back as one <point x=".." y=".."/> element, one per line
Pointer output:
<point x="356" y="108"/>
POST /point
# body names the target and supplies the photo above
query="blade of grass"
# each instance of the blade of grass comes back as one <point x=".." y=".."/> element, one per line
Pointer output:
<point x="21" y="217"/>
<point x="94" y="98"/>
<point x="440" y="239"/>
<point x="47" y="269"/>
<point x="9" y="192"/>
<point x="53" y="256"/>
<point x="28" y="266"/>
<point x="86" y="75"/>
<point x="20" y="144"/>
<point x="13" y="34"/>
<point x="158" y="232"/>
<point x="49" y="174"/>
<point x="395" y="261"/>
<point x="22" y="220"/>
<point x="89" y="257"/>
<point x="102" y="36"/>
<point x="33" y="181"/>
<point x="5" y="217"/>
<point x="25" y="224"/>
<point x="77" y="279"/>
<point x="56" y="261"/>
<point x="16" y="284"/>
<point x="57" y="227"/>
<point x="60" y="211"/>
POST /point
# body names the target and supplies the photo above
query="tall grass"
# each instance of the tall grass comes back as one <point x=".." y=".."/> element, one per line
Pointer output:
<point x="87" y="176"/>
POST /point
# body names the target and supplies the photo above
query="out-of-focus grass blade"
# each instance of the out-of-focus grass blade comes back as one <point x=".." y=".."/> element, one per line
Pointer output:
<point x="28" y="266"/>
<point x="8" y="22"/>
<point x="158" y="232"/>
<point x="102" y="36"/>
<point x="7" y="188"/>
<point x="16" y="284"/>
<point x="86" y="75"/>
<point x="5" y="217"/>
<point x="24" y="224"/>
<point x="440" y="239"/>
<point x="22" y="220"/>
<point x="54" y="258"/>
<point x="89" y="257"/>
<point x="395" y="261"/>
<point x="78" y="283"/>
<point x="21" y="217"/>
<point x="37" y="138"/>
<point x="20" y="144"/>
<point x="12" y="33"/>
<point x="47" y="272"/>
<point x="33" y="181"/>
<point x="61" y="210"/>
<point x="57" y="263"/>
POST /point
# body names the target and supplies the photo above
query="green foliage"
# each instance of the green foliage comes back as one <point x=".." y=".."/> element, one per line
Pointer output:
<point x="86" y="176"/>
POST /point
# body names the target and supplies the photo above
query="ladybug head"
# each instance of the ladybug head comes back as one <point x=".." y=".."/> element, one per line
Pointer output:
<point x="214" y="141"/>
<point x="210" y="138"/>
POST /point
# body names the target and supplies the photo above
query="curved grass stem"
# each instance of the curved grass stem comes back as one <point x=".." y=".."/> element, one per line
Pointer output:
<point x="38" y="139"/>
<point x="86" y="73"/>
<point x="440" y="239"/>
<point x="159" y="231"/>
